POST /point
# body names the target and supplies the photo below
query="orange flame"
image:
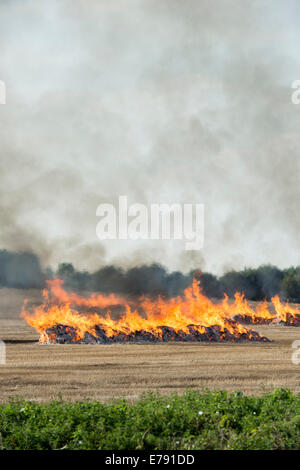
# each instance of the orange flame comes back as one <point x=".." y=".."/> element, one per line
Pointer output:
<point x="56" y="293"/>
<point x="285" y="312"/>
<point x="192" y="308"/>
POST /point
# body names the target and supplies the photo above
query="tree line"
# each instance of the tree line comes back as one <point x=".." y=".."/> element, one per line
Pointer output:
<point x="23" y="270"/>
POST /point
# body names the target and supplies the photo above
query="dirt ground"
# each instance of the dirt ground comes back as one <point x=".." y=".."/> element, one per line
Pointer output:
<point x="44" y="372"/>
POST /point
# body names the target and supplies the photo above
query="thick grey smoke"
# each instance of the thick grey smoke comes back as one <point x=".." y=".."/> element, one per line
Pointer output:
<point x="162" y="101"/>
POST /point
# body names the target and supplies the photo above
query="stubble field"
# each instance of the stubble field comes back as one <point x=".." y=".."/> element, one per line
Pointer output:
<point x="76" y="372"/>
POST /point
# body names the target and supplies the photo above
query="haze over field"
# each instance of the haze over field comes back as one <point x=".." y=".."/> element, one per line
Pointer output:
<point x="164" y="102"/>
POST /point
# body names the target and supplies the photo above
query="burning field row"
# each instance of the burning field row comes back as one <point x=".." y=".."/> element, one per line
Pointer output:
<point x="62" y="334"/>
<point x="65" y="317"/>
<point x="278" y="313"/>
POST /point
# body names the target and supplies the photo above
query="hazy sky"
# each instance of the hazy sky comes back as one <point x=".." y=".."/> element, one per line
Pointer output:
<point x="164" y="101"/>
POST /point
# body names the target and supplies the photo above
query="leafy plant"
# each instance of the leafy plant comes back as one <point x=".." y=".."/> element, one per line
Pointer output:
<point x="207" y="420"/>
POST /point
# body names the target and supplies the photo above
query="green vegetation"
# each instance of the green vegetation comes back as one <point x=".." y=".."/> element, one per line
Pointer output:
<point x="208" y="420"/>
<point x="257" y="284"/>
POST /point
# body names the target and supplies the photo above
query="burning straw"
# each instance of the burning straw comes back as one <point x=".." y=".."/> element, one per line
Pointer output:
<point x="65" y="317"/>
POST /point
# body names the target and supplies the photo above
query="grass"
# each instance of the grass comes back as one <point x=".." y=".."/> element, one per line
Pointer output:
<point x="207" y="420"/>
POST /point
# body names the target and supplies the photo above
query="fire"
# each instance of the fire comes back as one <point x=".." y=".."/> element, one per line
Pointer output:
<point x="285" y="312"/>
<point x="277" y="313"/>
<point x="67" y="317"/>
<point x="56" y="293"/>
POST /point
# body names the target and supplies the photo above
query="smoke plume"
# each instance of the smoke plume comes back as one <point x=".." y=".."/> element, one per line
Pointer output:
<point x="162" y="101"/>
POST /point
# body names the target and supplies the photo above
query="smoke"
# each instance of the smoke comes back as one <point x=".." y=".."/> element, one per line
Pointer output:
<point x="163" y="101"/>
<point x="21" y="270"/>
